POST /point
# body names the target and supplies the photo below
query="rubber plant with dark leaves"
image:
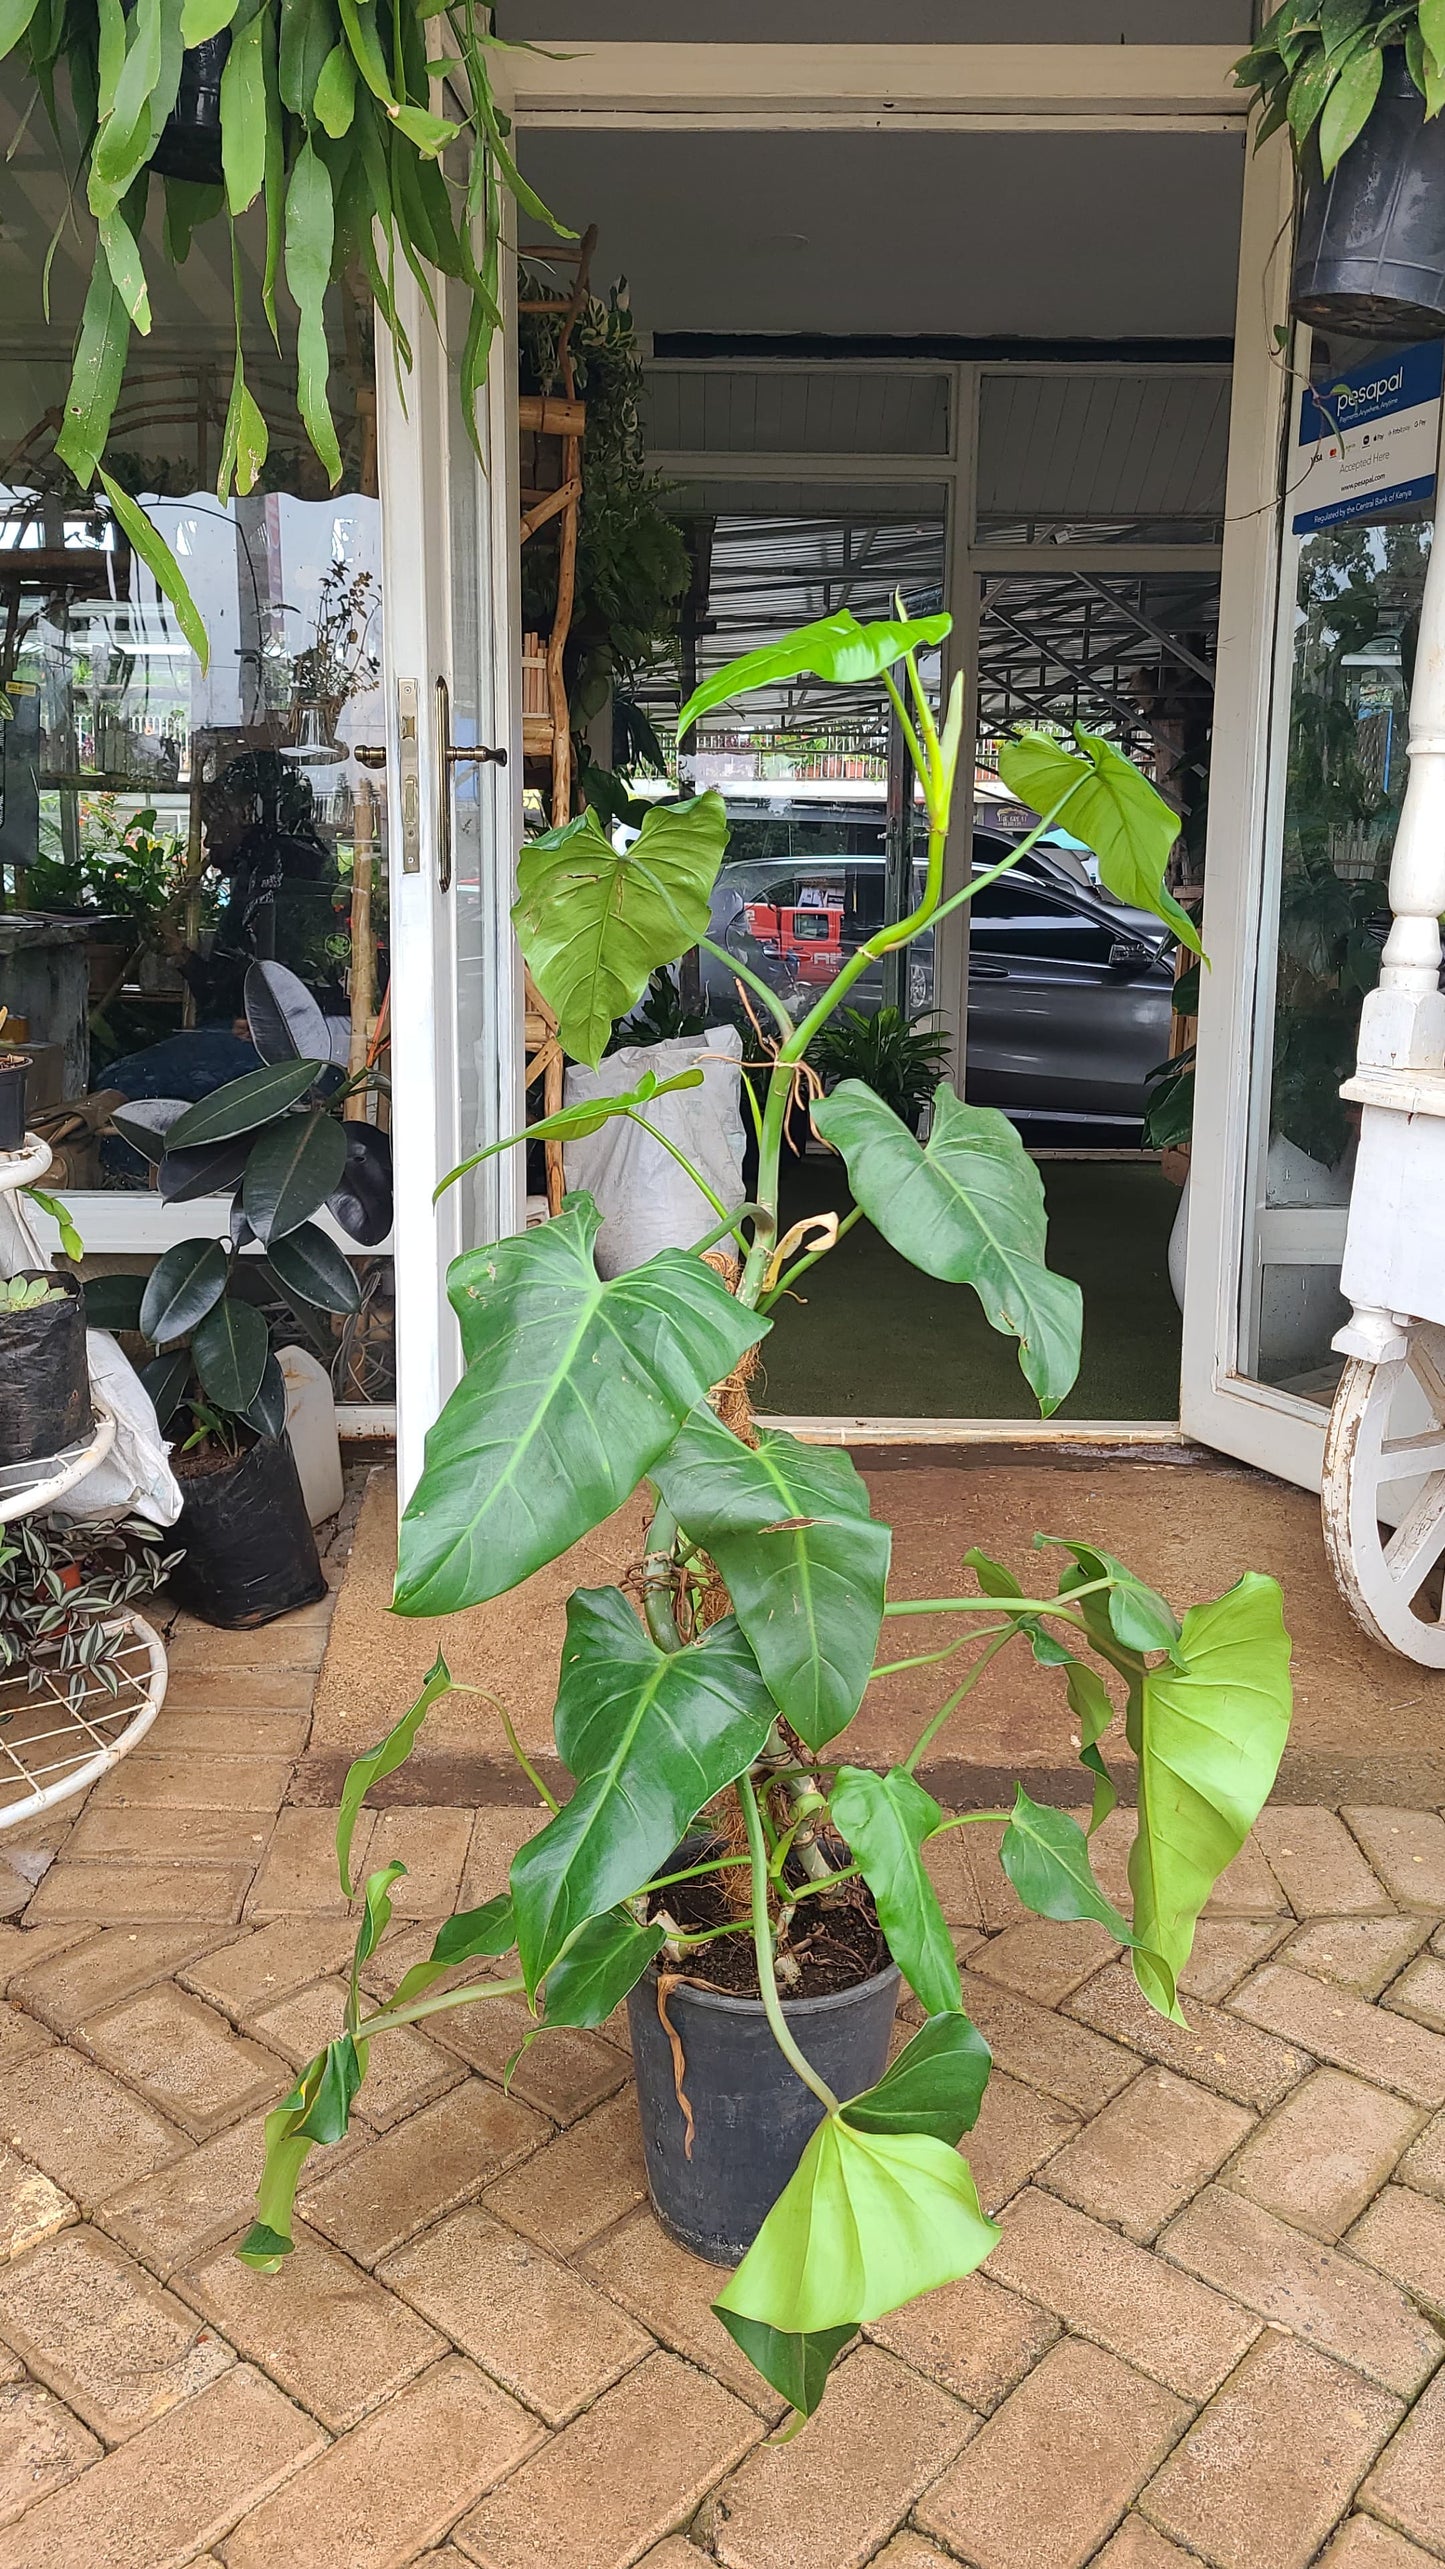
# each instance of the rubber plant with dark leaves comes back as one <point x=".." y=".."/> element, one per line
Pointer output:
<point x="275" y="1142"/>
<point x="765" y="1607"/>
<point x="326" y="124"/>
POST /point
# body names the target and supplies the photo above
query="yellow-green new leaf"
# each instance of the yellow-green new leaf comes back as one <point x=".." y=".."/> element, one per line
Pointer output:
<point x="1111" y="807"/>
<point x="594" y="923"/>
<point x="384" y="1760"/>
<point x="837" y="649"/>
<point x="869" y="2221"/>
<point x="1208" y="1730"/>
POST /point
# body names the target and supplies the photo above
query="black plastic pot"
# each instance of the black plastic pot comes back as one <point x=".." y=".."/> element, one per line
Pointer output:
<point x="44" y="1375"/>
<point x="190" y="139"/>
<point x="13" y="1067"/>
<point x="1370" y="258"/>
<point x="752" y="2115"/>
<point x="250" y="1554"/>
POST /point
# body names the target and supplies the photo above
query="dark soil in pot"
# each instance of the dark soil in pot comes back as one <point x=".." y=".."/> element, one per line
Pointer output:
<point x="250" y="1552"/>
<point x="752" y="2117"/>
<point x="44" y="1375"/>
<point x="1370" y="258"/>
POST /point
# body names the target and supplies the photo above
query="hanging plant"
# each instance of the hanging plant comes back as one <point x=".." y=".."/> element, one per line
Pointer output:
<point x="1318" y="68"/>
<point x="321" y="112"/>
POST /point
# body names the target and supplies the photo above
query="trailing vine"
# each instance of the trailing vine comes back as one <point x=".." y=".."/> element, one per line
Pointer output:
<point x="326" y="123"/>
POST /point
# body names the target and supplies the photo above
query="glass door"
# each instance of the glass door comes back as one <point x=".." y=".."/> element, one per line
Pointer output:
<point x="1323" y="580"/>
<point x="453" y="682"/>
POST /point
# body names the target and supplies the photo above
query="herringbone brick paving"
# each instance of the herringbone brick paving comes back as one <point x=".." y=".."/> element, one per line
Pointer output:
<point x="1211" y="2332"/>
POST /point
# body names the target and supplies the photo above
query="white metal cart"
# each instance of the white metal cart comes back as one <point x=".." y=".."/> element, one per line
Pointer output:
<point x="51" y="1748"/>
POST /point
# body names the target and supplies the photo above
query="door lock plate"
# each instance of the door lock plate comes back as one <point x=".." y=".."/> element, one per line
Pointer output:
<point x="408" y="714"/>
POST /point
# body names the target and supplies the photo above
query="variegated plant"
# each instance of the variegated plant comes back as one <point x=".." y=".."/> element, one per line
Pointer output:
<point x="328" y="121"/>
<point x="577" y="1391"/>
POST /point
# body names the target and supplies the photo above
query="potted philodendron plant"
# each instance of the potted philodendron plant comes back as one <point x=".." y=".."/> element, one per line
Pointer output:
<point x="275" y="1142"/>
<point x="756" y="1896"/>
<point x="1360" y="84"/>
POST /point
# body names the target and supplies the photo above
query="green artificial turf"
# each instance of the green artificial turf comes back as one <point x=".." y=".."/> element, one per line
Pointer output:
<point x="874" y="1338"/>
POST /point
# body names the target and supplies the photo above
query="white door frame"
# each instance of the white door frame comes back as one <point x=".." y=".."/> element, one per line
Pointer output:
<point x="437" y="1007"/>
<point x="871" y="88"/>
<point x="1220" y="1404"/>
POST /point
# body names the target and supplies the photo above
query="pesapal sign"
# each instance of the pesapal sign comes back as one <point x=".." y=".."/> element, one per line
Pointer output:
<point x="1368" y="439"/>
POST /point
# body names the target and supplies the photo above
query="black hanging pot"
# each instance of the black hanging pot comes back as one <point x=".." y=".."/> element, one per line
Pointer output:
<point x="44" y="1374"/>
<point x="752" y="2117"/>
<point x="250" y="1553"/>
<point x="1370" y="258"/>
<point x="13" y="1067"/>
<point x="190" y="140"/>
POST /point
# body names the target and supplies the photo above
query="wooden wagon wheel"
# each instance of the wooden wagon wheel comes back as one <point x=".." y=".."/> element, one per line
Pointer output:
<point x="1383" y="1496"/>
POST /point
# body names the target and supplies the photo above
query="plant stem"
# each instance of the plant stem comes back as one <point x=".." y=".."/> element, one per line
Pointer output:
<point x="689" y="1873"/>
<point x="631" y="1116"/>
<point x="996" y="1605"/>
<point x="929" y="1733"/>
<point x="931" y="1658"/>
<point x="755" y="982"/>
<point x="418" y="2007"/>
<point x="513" y="1743"/>
<point x="763" y="1947"/>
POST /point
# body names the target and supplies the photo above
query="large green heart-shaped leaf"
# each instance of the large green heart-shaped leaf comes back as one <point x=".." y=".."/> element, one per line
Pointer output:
<point x="1208" y="1733"/>
<point x="185" y="1283"/>
<point x="1045" y="1855"/>
<point x="598" y="1968"/>
<point x="1113" y="809"/>
<point x="935" y="2085"/>
<point x="968" y="1208"/>
<point x="837" y="649"/>
<point x="573" y="1389"/>
<point x="229" y="1348"/>
<point x="885" y="1819"/>
<point x="869" y="2221"/>
<point x="244" y="1104"/>
<point x="291" y="1171"/>
<point x="594" y="924"/>
<point x="805" y="1564"/>
<point x="650" y="1735"/>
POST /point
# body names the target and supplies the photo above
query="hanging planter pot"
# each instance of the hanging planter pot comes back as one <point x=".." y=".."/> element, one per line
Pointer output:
<point x="190" y="141"/>
<point x="13" y="1070"/>
<point x="1370" y="257"/>
<point x="44" y="1372"/>
<point x="250" y="1554"/>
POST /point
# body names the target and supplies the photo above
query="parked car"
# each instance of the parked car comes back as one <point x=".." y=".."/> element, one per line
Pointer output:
<point x="1069" y="989"/>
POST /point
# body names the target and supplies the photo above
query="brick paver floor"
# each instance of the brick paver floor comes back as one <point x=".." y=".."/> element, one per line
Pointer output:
<point x="1211" y="2332"/>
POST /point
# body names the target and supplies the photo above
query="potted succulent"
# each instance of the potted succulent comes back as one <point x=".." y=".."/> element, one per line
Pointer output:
<point x="722" y="1865"/>
<point x="44" y="1372"/>
<point x="274" y="1140"/>
<point x="1360" y="84"/>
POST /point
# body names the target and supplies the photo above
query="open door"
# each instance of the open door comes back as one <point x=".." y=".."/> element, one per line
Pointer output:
<point x="1266" y="1216"/>
<point x="453" y="778"/>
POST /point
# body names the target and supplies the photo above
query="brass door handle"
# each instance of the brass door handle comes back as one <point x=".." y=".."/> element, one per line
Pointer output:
<point x="449" y="757"/>
<point x="370" y="753"/>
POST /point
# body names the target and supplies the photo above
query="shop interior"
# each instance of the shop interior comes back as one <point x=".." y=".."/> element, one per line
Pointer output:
<point x="815" y="371"/>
